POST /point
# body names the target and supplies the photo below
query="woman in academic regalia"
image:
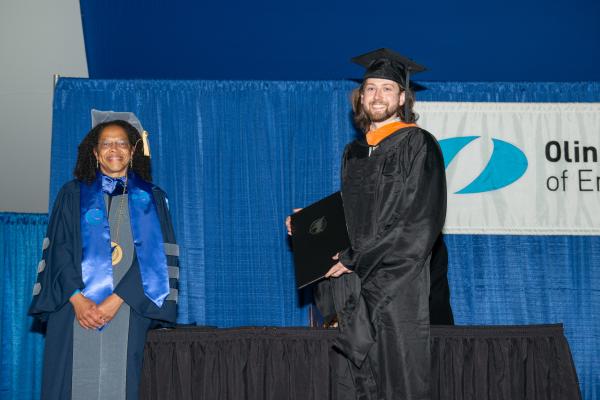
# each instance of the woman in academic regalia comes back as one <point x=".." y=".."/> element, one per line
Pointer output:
<point x="109" y="268"/>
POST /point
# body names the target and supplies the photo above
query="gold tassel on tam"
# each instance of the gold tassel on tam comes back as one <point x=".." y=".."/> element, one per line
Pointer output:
<point x="146" y="144"/>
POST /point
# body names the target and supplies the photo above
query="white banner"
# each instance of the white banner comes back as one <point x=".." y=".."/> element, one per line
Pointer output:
<point x="519" y="168"/>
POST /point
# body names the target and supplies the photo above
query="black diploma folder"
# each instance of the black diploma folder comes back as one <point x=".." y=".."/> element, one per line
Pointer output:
<point x="318" y="233"/>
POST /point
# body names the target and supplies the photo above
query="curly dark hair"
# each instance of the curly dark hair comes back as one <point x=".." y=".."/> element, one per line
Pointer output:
<point x="362" y="120"/>
<point x="85" y="168"/>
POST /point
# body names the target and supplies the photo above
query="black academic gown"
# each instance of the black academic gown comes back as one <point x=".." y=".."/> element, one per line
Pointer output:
<point x="395" y="204"/>
<point x="61" y="276"/>
<point x="440" y="309"/>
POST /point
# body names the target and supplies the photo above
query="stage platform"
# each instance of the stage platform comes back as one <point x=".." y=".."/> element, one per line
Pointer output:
<point x="261" y="363"/>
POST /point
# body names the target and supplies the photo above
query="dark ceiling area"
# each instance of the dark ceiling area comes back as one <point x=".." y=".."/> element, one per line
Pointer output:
<point x="556" y="40"/>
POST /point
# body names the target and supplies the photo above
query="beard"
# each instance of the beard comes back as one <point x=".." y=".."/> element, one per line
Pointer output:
<point x="379" y="116"/>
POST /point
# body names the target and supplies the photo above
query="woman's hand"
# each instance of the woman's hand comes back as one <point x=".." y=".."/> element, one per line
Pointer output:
<point x="86" y="312"/>
<point x="109" y="307"/>
<point x="288" y="221"/>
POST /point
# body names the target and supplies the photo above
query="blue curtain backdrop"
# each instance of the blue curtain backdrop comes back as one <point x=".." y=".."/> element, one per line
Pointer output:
<point x="236" y="156"/>
<point x="21" y="350"/>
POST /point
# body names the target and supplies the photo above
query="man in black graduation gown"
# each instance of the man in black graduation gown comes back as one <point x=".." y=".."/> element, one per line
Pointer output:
<point x="83" y="330"/>
<point x="394" y="193"/>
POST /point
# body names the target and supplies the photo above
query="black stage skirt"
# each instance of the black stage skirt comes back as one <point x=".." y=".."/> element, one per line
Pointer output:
<point x="468" y="362"/>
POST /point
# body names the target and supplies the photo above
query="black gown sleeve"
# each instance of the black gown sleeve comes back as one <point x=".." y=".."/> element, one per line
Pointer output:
<point x="401" y="249"/>
<point x="131" y="289"/>
<point x="59" y="272"/>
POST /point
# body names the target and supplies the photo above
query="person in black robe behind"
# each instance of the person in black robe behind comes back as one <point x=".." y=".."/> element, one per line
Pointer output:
<point x="110" y="165"/>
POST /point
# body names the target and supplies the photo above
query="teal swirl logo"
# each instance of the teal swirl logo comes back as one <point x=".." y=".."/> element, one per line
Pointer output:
<point x="506" y="165"/>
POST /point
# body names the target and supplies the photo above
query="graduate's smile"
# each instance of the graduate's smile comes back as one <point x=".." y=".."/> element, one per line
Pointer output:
<point x="379" y="106"/>
<point x="379" y="111"/>
<point x="113" y="151"/>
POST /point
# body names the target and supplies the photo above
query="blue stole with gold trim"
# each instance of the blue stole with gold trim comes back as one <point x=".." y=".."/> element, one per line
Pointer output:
<point x="96" y="264"/>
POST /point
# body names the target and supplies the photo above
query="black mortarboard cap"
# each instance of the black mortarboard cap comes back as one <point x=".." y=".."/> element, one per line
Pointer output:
<point x="387" y="64"/>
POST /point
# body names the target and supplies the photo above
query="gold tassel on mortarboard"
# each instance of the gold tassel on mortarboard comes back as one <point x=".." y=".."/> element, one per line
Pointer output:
<point x="146" y="144"/>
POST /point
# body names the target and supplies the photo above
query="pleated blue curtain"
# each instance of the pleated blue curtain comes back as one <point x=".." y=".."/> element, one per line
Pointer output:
<point x="21" y="238"/>
<point x="512" y="92"/>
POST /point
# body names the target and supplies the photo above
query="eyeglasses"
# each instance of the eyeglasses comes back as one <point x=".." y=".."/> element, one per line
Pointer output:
<point x="121" y="144"/>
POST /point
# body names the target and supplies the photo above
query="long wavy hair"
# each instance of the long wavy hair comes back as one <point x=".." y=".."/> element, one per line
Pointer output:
<point x="85" y="168"/>
<point x="362" y="120"/>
